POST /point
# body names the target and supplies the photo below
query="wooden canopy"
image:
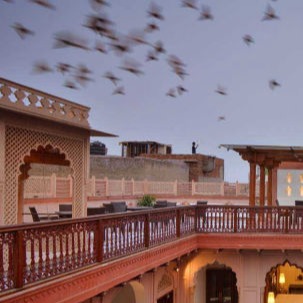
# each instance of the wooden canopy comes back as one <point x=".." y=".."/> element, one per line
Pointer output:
<point x="268" y="158"/>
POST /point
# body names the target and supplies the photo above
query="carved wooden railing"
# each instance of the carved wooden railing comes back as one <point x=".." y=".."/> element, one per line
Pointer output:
<point x="24" y="99"/>
<point x="37" y="251"/>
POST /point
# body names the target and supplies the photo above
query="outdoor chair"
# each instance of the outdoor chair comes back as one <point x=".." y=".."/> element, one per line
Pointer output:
<point x="65" y="207"/>
<point x="37" y="218"/>
<point x="160" y="203"/>
<point x="108" y="207"/>
<point x="202" y="202"/>
<point x="298" y="211"/>
<point x="119" y="207"/>
<point x="92" y="211"/>
<point x="171" y="204"/>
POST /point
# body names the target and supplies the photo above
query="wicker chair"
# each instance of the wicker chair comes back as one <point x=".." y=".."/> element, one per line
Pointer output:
<point x="92" y="211"/>
<point x="37" y="218"/>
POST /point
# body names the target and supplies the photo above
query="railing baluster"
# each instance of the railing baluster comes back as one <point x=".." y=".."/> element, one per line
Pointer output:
<point x="19" y="253"/>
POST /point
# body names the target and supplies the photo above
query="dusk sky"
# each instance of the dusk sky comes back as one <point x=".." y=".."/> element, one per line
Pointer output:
<point x="213" y="52"/>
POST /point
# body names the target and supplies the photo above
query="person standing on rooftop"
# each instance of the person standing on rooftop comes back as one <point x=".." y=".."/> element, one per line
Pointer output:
<point x="194" y="147"/>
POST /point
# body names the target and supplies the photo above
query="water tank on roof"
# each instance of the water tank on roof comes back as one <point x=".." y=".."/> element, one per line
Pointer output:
<point x="98" y="148"/>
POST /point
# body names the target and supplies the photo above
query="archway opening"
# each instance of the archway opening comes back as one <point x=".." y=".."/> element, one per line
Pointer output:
<point x="285" y="278"/>
<point x="221" y="285"/>
<point x="132" y="292"/>
<point x="42" y="178"/>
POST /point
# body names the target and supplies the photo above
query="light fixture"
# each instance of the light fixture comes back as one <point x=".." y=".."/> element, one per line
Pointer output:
<point x="271" y="297"/>
<point x="282" y="281"/>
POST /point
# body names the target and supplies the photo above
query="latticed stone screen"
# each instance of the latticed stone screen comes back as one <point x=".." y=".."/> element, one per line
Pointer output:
<point x="19" y="142"/>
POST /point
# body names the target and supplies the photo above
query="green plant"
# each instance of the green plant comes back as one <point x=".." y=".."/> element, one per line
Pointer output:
<point x="146" y="200"/>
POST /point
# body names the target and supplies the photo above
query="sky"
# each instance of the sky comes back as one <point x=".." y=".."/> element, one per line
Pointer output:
<point x="213" y="53"/>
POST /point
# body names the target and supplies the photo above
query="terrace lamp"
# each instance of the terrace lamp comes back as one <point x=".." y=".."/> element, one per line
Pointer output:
<point x="282" y="281"/>
<point x="271" y="297"/>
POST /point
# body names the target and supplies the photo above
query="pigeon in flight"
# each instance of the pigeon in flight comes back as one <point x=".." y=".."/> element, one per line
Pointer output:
<point x="221" y="90"/>
<point x="248" y="39"/>
<point x="98" y="4"/>
<point x="270" y="14"/>
<point x="63" y="67"/>
<point x="151" y="56"/>
<point x="206" y="13"/>
<point x="42" y="67"/>
<point x="190" y="4"/>
<point x="44" y="3"/>
<point x="66" y="39"/>
<point x="110" y="76"/>
<point x="100" y="47"/>
<point x="70" y="84"/>
<point x="273" y="84"/>
<point x="132" y="66"/>
<point x="21" y="30"/>
<point x="181" y="89"/>
<point x="171" y="93"/>
<point x="155" y="11"/>
<point x="221" y="118"/>
<point x="119" y="91"/>
<point x="151" y="27"/>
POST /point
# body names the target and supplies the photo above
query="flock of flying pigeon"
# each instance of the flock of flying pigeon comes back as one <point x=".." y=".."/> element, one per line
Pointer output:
<point x="110" y="40"/>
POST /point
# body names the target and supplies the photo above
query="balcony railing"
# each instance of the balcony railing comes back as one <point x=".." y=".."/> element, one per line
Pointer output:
<point x="37" y="251"/>
<point x="53" y="186"/>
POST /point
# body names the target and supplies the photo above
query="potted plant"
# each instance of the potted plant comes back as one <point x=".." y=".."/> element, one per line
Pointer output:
<point x="146" y="200"/>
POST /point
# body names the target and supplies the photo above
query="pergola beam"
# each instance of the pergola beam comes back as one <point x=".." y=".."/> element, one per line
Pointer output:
<point x="268" y="158"/>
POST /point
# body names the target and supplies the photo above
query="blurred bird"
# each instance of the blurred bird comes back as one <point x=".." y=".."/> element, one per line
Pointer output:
<point x="151" y="56"/>
<point x="82" y="78"/>
<point x="248" y="39"/>
<point x="83" y="69"/>
<point x="171" y="93"/>
<point x="132" y="66"/>
<point x="206" y="13"/>
<point x="65" y="39"/>
<point x="100" y="47"/>
<point x="155" y="11"/>
<point x="119" y="91"/>
<point x="21" y="30"/>
<point x="70" y="84"/>
<point x="63" y="67"/>
<point x="81" y="74"/>
<point x="99" y="24"/>
<point x="173" y="61"/>
<point x="42" y="67"/>
<point x="137" y="38"/>
<point x="190" y="4"/>
<point x="221" y="90"/>
<point x="273" y="84"/>
<point x="150" y="27"/>
<point x="180" y="71"/>
<point x="121" y="45"/>
<point x="221" y="118"/>
<point x="181" y="89"/>
<point x="110" y="76"/>
<point x="159" y="47"/>
<point x="270" y="14"/>
<point x="98" y="4"/>
<point x="44" y="3"/>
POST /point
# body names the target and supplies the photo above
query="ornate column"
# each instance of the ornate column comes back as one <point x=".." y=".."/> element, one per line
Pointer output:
<point x="262" y="185"/>
<point x="2" y="171"/>
<point x="252" y="183"/>
<point x="269" y="186"/>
